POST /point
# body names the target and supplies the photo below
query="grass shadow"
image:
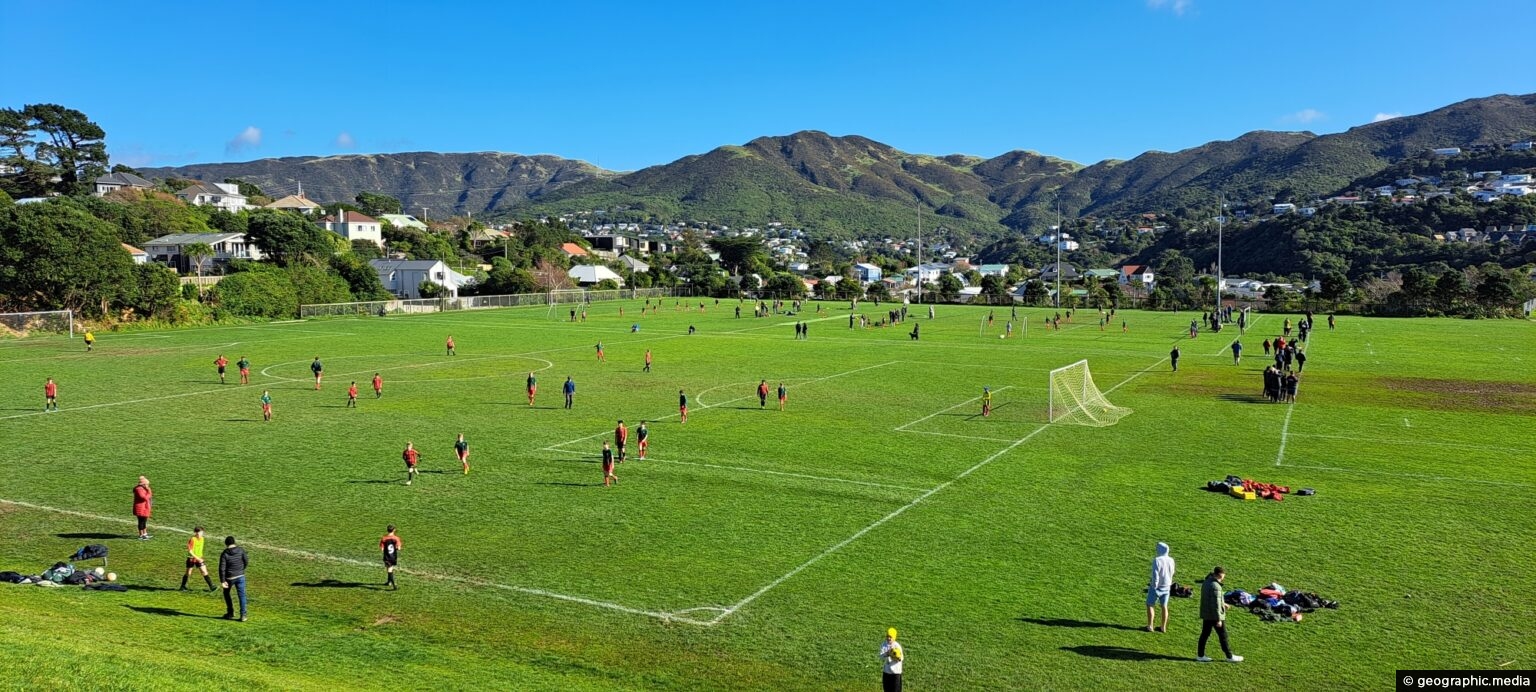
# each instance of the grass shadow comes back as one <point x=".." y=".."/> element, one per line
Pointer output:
<point x="97" y="536"/>
<point x="1066" y="622"/>
<point x="168" y="612"/>
<point x="242" y="420"/>
<point x="565" y="483"/>
<point x="335" y="584"/>
<point x="141" y="587"/>
<point x="373" y="480"/>
<point x="1119" y="653"/>
<point x="1244" y="398"/>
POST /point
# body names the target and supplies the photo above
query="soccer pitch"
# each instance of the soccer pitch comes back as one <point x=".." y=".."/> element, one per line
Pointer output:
<point x="760" y="548"/>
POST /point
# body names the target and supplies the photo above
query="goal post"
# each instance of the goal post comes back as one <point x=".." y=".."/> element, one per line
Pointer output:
<point x="1074" y="398"/>
<point x="49" y="321"/>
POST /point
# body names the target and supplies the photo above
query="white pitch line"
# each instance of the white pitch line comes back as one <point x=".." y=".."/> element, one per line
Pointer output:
<point x="749" y="469"/>
<point x="124" y="403"/>
<point x="310" y="555"/>
<point x="1284" y="431"/>
<point x="904" y="426"/>
<point x="877" y="524"/>
<point x="963" y="437"/>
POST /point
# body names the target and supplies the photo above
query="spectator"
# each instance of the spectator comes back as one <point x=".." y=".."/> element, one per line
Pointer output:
<point x="891" y="658"/>
<point x="143" y="503"/>
<point x="232" y="564"/>
<point x="1213" y="614"/>
<point x="1159" y="587"/>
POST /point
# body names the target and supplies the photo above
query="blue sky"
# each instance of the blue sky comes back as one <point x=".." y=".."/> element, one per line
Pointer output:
<point x="628" y="85"/>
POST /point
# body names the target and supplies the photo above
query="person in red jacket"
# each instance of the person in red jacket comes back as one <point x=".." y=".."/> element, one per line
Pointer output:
<point x="143" y="501"/>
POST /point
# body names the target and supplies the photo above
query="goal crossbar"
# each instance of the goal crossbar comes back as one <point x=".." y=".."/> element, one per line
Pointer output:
<point x="23" y="323"/>
<point x="1074" y="398"/>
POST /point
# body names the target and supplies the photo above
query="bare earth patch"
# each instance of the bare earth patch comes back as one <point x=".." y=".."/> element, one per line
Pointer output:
<point x="1467" y="395"/>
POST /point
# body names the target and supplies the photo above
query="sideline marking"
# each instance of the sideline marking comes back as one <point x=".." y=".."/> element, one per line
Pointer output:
<point x="1284" y="431"/>
<point x="903" y="427"/>
<point x="310" y="555"/>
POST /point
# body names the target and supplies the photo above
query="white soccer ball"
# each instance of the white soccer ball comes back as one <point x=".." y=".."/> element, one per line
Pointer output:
<point x="1002" y="336"/>
<point x="100" y="571"/>
<point x="111" y="576"/>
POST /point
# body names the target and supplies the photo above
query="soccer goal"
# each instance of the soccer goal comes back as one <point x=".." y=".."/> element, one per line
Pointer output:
<point x="1075" y="399"/>
<point x="52" y="321"/>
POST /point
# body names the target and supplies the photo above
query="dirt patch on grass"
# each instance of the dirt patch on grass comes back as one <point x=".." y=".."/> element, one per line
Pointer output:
<point x="1466" y="395"/>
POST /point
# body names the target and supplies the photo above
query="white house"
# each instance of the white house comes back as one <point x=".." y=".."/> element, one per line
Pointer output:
<point x="634" y="265"/>
<point x="992" y="270"/>
<point x="589" y="274"/>
<point x="926" y="273"/>
<point x="1521" y="146"/>
<point x="1137" y="274"/>
<point x="404" y="277"/>
<point x="297" y="202"/>
<point x="355" y="226"/>
<point x="224" y="196"/>
<point x="1447" y="151"/>
<point x="167" y="249"/>
<point x="866" y="272"/>
<point x="139" y="256"/>
<point x="1284" y="208"/>
<point x="403" y="221"/>
<point x="118" y="181"/>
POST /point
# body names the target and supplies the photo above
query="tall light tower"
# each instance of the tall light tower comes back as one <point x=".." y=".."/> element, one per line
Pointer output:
<point x="918" y="206"/>
<point x="1058" y="254"/>
<point x="1221" y="219"/>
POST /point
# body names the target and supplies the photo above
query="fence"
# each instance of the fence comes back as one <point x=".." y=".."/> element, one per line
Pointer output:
<point x="412" y="306"/>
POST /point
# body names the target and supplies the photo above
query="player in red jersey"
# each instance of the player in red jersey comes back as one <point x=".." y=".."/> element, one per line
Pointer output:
<point x="608" y="477"/>
<point x="762" y="394"/>
<point x="451" y="350"/>
<point x="378" y="386"/>
<point x="644" y="435"/>
<point x="389" y="545"/>
<point x="352" y="395"/>
<point x="50" y="396"/>
<point x="411" y="456"/>
<point x="221" y="362"/>
<point x="682" y="405"/>
<point x="245" y="370"/>
<point x="620" y="439"/>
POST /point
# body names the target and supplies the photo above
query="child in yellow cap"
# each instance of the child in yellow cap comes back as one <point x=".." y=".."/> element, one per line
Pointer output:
<point x="891" y="658"/>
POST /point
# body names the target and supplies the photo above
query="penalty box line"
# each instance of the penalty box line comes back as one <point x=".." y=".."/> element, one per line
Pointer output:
<point x="903" y="427"/>
<point x="748" y="469"/>
<point x="434" y="576"/>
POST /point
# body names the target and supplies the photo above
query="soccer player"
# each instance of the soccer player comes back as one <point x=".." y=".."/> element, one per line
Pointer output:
<point x="90" y="340"/>
<point x="1287" y="329"/>
<point x="318" y="370"/>
<point x="648" y="358"/>
<point x="389" y="545"/>
<point x="378" y="386"/>
<point x="266" y="405"/>
<point x="1124" y="327"/>
<point x="783" y="395"/>
<point x="570" y="392"/>
<point x="461" y="448"/>
<point x="1174" y="357"/>
<point x="245" y="370"/>
<point x="1194" y="329"/>
<point x="533" y="387"/>
<point x="608" y="476"/>
<point x="643" y="434"/>
<point x="451" y="352"/>
<point x="1330" y="321"/>
<point x="195" y="559"/>
<point x="600" y="357"/>
<point x="221" y="362"/>
<point x="1266" y="347"/>
<point x="682" y="405"/>
<point x="352" y="395"/>
<point x="620" y="439"/>
<point x="986" y="402"/>
<point x="50" y="396"/>
<point x="1237" y="352"/>
<point x="762" y="394"/>
<point x="410" y="456"/>
<point x="143" y="504"/>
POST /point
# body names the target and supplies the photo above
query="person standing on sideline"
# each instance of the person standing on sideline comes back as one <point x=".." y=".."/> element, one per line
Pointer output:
<point x="411" y="457"/>
<point x="1237" y="352"/>
<point x="608" y="477"/>
<point x="1213" y="614"/>
<point x="389" y="545"/>
<point x="891" y="658"/>
<point x="451" y="350"/>
<point x="318" y="370"/>
<point x="232" y="564"/>
<point x="221" y="362"/>
<point x="570" y="392"/>
<point x="762" y="394"/>
<point x="195" y="559"/>
<point x="1173" y="356"/>
<point x="461" y="448"/>
<point x="1159" y="587"/>
<point x="682" y="406"/>
<point x="378" y="386"/>
<point x="143" y="503"/>
<point x="50" y="396"/>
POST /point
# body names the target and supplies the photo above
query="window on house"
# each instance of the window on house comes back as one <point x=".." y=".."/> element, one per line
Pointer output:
<point x="439" y="276"/>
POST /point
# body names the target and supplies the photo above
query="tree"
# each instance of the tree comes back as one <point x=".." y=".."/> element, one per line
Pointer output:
<point x="245" y="188"/>
<point x="744" y="254"/>
<point x="1035" y="292"/>
<point x="262" y="293"/>
<point x="427" y="289"/>
<point x="73" y="146"/>
<point x="785" y="285"/>
<point x="1333" y="286"/>
<point x="1451" y="289"/>
<point x="375" y="204"/>
<point x="362" y="280"/>
<point x="199" y="253"/>
<point x="55" y="256"/>
<point x="317" y="285"/>
<point x="1495" y="291"/>
<point x="153" y="290"/>
<point x="877" y="290"/>
<point x="366" y="249"/>
<point x="287" y="237"/>
<point x="949" y="287"/>
<point x="994" y="286"/>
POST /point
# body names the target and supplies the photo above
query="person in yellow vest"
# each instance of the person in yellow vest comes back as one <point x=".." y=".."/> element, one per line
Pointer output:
<point x="195" y="559"/>
<point x="891" y="657"/>
<point x="90" y="340"/>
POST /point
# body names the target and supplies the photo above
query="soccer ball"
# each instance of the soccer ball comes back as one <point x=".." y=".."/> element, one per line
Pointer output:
<point x="111" y="576"/>
<point x="100" y="571"/>
<point x="1002" y="336"/>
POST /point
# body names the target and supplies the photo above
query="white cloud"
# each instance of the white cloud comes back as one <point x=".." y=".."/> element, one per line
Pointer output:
<point x="345" y="141"/>
<point x="1304" y="116"/>
<point x="1385" y="116"/>
<point x="1178" y="7"/>
<point x="249" y="138"/>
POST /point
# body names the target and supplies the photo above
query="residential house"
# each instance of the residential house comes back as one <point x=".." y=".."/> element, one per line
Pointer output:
<point x="573" y="250"/>
<point x="118" y="181"/>
<point x="354" y="225"/>
<point x="168" y="249"/>
<point x="590" y="274"/>
<point x="652" y="246"/>
<point x="296" y="202"/>
<point x="1101" y="274"/>
<point x="404" y="277"/>
<point x="866" y="272"/>
<point x="224" y="196"/>
<point x="1307" y="211"/>
<point x="139" y="256"/>
<point x="1136" y="275"/>
<point x="1520" y="146"/>
<point x="1287" y="207"/>
<point x="609" y="244"/>
<point x="1446" y="151"/>
<point x="1060" y="270"/>
<point x="927" y="272"/>
<point x="993" y="270"/>
<point x="635" y="266"/>
<point x="799" y="267"/>
<point x="403" y="221"/>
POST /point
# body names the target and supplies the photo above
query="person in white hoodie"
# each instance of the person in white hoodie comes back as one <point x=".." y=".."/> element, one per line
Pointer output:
<point x="1158" y="587"/>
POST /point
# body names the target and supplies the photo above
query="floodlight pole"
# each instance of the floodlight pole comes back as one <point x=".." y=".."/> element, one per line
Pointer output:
<point x="918" y="207"/>
<point x="1221" y="219"/>
<point x="1058" y="254"/>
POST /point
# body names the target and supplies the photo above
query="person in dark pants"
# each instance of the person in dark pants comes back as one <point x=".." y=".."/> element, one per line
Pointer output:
<point x="891" y="658"/>
<point x="232" y="564"/>
<point x="1174" y="357"/>
<point x="570" y="391"/>
<point x="1213" y="614"/>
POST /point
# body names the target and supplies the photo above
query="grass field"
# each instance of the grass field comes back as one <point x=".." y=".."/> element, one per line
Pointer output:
<point x="759" y="548"/>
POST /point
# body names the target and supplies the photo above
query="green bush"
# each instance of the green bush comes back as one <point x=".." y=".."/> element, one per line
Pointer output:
<point x="255" y="294"/>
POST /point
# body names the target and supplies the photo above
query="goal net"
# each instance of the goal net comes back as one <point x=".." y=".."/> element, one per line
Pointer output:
<point x="50" y="322"/>
<point x="1075" y="399"/>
